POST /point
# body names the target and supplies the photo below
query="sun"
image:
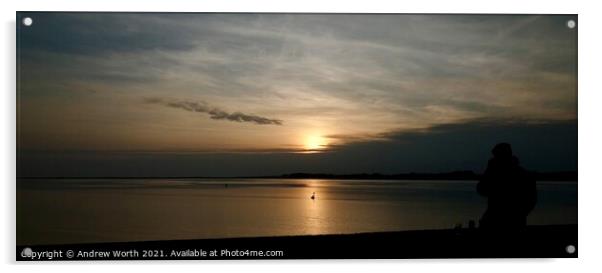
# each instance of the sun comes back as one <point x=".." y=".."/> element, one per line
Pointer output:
<point x="315" y="142"/>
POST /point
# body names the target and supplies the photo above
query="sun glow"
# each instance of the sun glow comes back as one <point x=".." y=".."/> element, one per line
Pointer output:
<point x="315" y="142"/>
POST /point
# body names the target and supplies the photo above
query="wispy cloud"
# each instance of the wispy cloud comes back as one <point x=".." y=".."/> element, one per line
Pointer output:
<point x="214" y="112"/>
<point x="348" y="78"/>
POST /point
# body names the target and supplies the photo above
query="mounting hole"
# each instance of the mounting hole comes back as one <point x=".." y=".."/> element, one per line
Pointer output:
<point x="571" y="23"/>
<point x="570" y="249"/>
<point x="27" y="21"/>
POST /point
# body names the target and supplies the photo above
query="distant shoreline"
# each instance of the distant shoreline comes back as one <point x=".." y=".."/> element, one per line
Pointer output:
<point x="566" y="176"/>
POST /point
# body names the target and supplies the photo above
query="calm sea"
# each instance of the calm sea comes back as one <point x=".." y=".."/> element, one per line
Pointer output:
<point x="110" y="210"/>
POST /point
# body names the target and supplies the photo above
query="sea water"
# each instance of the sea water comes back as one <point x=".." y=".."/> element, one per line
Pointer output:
<point x="60" y="211"/>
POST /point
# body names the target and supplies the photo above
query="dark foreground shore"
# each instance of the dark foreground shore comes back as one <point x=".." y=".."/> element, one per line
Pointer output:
<point x="535" y="242"/>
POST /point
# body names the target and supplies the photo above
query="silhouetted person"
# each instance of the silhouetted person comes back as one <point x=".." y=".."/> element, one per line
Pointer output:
<point x="510" y="192"/>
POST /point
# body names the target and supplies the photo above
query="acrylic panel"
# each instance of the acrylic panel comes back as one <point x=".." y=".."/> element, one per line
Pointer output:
<point x="167" y="136"/>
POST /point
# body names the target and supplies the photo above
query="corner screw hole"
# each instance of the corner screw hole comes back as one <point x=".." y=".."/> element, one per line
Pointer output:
<point x="27" y="21"/>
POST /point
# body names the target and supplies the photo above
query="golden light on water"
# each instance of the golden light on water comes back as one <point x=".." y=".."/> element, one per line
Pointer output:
<point x="315" y="209"/>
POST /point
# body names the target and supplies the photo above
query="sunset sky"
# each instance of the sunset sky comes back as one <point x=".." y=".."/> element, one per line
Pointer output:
<point x="251" y="94"/>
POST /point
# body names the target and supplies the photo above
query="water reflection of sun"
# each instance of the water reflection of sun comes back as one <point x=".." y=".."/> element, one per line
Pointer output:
<point x="315" y="214"/>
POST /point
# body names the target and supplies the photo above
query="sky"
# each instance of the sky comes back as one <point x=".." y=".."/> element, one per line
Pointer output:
<point x="135" y="94"/>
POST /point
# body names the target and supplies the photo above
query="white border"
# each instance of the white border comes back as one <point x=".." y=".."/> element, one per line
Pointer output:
<point x="590" y="154"/>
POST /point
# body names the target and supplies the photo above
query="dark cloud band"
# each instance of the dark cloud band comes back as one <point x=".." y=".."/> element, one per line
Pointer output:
<point x="214" y="112"/>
